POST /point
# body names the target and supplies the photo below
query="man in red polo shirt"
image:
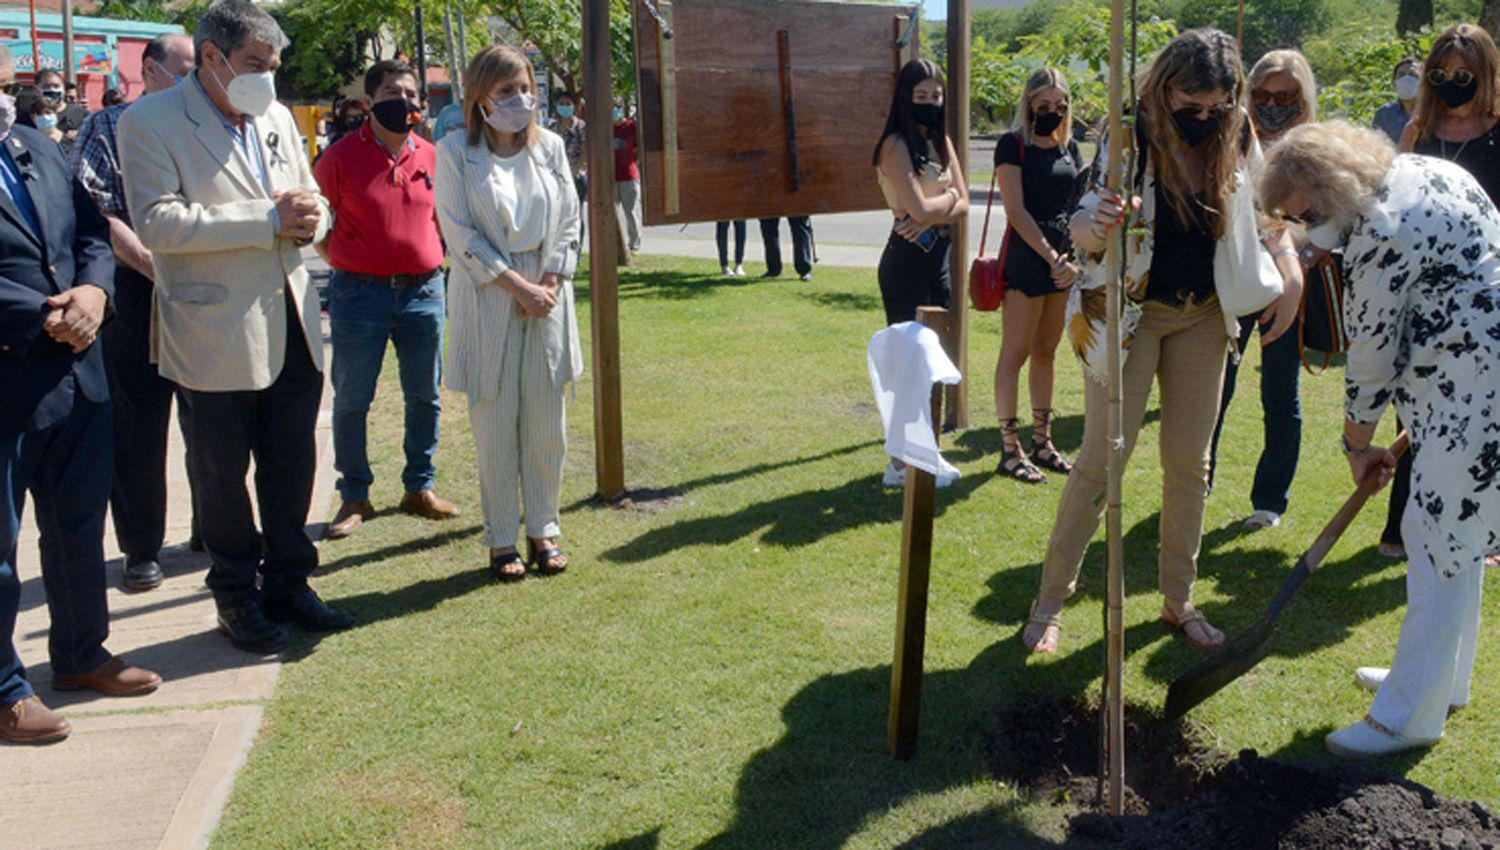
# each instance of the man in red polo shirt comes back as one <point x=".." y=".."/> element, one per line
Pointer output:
<point x="387" y="284"/>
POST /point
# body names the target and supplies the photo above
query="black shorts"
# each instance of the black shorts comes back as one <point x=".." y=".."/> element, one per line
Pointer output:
<point x="1025" y="270"/>
<point x="912" y="278"/>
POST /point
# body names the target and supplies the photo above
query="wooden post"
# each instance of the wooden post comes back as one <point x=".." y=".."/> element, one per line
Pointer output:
<point x="1114" y="702"/>
<point x="957" y="99"/>
<point x="911" y="589"/>
<point x="604" y="255"/>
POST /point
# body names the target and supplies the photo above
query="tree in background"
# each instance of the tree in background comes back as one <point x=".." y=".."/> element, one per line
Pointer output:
<point x="1414" y="15"/>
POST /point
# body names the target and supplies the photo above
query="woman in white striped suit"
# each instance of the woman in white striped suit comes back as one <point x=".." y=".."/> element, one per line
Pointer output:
<point x="509" y="213"/>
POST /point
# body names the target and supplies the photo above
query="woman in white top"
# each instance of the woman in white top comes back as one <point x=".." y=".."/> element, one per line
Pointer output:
<point x="509" y="213"/>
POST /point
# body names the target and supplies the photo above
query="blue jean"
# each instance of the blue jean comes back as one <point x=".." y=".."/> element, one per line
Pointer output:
<point x="1280" y="401"/>
<point x="363" y="316"/>
<point x="67" y="467"/>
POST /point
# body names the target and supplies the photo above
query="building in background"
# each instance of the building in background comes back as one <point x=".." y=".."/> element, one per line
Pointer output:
<point x="106" y="52"/>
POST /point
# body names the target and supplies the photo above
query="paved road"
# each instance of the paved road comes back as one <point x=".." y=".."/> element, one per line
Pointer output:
<point x="845" y="239"/>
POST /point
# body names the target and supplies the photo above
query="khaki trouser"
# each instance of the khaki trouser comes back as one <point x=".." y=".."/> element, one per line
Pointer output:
<point x="1184" y="348"/>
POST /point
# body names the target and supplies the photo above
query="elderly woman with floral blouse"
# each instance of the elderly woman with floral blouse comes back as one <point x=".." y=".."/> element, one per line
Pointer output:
<point x="1423" y="313"/>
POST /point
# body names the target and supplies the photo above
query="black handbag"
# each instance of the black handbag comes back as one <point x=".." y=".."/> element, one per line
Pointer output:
<point x="1322" y="314"/>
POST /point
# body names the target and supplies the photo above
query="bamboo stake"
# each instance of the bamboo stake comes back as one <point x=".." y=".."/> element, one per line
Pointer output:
<point x="1114" y="703"/>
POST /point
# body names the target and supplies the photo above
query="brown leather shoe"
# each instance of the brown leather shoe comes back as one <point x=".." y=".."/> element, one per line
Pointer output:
<point x="112" y="678"/>
<point x="428" y="504"/>
<point x="30" y="722"/>
<point x="350" y="517"/>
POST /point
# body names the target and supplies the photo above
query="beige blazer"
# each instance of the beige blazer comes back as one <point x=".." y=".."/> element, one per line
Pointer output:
<point x="468" y="189"/>
<point x="219" y="320"/>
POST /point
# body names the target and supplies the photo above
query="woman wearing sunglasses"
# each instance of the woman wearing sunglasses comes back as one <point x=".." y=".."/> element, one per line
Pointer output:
<point x="1193" y="262"/>
<point x="1283" y="95"/>
<point x="1039" y="171"/>
<point x="1423" y="312"/>
<point x="1456" y="120"/>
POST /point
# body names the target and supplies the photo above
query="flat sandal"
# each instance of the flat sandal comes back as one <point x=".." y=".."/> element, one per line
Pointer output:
<point x="1053" y="621"/>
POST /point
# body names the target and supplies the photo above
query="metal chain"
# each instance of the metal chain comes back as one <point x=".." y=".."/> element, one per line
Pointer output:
<point x="666" y="31"/>
<point x="911" y="26"/>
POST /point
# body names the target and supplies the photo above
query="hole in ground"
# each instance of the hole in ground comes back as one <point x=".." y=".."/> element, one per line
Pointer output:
<point x="1182" y="794"/>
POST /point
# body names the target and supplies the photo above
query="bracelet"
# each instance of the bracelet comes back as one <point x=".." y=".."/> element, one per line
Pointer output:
<point x="1284" y="252"/>
<point x="1348" y="449"/>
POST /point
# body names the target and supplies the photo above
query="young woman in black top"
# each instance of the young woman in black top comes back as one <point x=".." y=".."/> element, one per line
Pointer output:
<point x="1457" y="119"/>
<point x="1040" y="173"/>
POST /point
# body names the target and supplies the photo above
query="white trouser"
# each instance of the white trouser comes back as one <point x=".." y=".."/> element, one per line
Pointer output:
<point x="628" y="193"/>
<point x="1435" y="654"/>
<point x="521" y="436"/>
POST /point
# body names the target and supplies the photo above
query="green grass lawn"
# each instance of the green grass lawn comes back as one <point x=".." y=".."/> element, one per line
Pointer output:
<point x="715" y="673"/>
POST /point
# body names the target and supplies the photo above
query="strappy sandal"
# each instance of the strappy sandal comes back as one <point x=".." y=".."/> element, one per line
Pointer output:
<point x="1013" y="462"/>
<point x="542" y="557"/>
<point x="1052" y="624"/>
<point x="1180" y="625"/>
<point x="498" y="564"/>
<point x="1043" y="453"/>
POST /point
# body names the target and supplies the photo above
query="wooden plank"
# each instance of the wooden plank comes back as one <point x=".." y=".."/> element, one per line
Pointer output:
<point x="729" y="105"/>
<point x="788" y="107"/>
<point x="911" y="592"/>
<point x="957" y="98"/>
<point x="604" y="254"/>
<point x="667" y="47"/>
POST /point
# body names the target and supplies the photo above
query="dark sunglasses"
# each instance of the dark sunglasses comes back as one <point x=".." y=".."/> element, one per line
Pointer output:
<point x="1261" y="97"/>
<point x="1196" y="111"/>
<point x="1046" y="109"/>
<point x="1462" y="77"/>
<point x="1308" y="218"/>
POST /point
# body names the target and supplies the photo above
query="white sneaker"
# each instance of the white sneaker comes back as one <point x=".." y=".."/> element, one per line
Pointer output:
<point x="894" y="477"/>
<point x="1371" y="678"/>
<point x="725" y="271"/>
<point x="948" y="474"/>
<point x="1362" y="740"/>
<point x="1262" y="520"/>
<point x="739" y="271"/>
<point x="807" y="276"/>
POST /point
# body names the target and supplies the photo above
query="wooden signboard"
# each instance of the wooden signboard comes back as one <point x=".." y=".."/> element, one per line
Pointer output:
<point x="762" y="108"/>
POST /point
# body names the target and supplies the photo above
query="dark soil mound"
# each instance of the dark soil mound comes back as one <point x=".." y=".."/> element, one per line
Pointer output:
<point x="1186" y="796"/>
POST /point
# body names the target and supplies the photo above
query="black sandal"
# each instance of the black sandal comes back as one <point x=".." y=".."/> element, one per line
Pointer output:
<point x="542" y="559"/>
<point x="1042" y="451"/>
<point x="499" y="562"/>
<point x="1013" y="462"/>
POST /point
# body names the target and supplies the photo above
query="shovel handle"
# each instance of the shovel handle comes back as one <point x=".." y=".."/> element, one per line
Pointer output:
<point x="1352" y="506"/>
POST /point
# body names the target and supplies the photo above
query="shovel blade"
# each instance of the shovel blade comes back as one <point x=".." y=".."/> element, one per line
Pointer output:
<point x="1209" y="676"/>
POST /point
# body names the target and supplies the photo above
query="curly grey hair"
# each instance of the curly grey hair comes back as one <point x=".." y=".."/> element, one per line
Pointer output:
<point x="231" y="24"/>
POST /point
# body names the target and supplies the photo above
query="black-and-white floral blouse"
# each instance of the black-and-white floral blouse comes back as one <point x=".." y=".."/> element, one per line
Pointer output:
<point x="1423" y="314"/>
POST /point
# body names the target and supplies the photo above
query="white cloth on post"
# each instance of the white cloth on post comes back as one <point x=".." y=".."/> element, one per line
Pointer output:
<point x="905" y="360"/>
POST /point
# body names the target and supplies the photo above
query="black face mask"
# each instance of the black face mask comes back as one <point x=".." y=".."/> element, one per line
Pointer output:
<point x="394" y="115"/>
<point x="1194" y="130"/>
<point x="1273" y="119"/>
<point x="1455" y="95"/>
<point x="1046" y="125"/>
<point x="929" y="115"/>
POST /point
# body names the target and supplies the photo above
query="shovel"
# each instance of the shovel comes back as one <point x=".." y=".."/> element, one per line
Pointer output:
<point x="1245" y="650"/>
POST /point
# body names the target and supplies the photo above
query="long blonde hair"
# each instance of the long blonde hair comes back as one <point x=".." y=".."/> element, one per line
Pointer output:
<point x="1043" y="79"/>
<point x="1198" y="60"/>
<point x="1476" y="49"/>
<point x="493" y="65"/>
<point x="1293" y="64"/>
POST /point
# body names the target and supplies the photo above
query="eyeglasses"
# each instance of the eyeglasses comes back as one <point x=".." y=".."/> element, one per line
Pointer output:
<point x="1047" y="109"/>
<point x="1200" y="111"/>
<point x="1307" y="218"/>
<point x="1462" y="77"/>
<point x="1261" y="97"/>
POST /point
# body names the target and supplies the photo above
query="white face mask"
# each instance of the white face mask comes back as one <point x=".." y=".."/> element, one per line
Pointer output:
<point x="513" y="114"/>
<point x="250" y="94"/>
<point x="1330" y="235"/>
<point x="1407" y="87"/>
<point x="7" y="115"/>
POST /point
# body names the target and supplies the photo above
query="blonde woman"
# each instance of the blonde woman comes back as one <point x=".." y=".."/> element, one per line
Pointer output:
<point x="1282" y="96"/>
<point x="1198" y="245"/>
<point x="1458" y="119"/>
<point x="1041" y="174"/>
<point x="509" y="212"/>
<point x="1423" y="313"/>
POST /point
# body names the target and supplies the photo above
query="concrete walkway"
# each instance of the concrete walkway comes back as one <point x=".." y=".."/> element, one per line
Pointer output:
<point x="155" y="771"/>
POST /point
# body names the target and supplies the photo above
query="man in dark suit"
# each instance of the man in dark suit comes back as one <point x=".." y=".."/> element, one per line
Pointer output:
<point x="56" y="279"/>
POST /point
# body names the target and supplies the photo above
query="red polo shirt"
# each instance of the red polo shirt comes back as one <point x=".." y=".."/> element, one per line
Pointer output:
<point x="383" y="206"/>
<point x="625" y="142"/>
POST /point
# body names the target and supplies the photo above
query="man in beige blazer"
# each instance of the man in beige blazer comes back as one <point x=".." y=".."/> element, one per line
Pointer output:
<point x="220" y="192"/>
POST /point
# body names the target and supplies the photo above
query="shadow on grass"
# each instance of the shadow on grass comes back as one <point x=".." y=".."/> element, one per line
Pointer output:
<point x="798" y="519"/>
<point x="406" y="547"/>
<point x="1067" y="435"/>
<point x="668" y="285"/>
<point x="645" y="841"/>
<point x="862" y="302"/>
